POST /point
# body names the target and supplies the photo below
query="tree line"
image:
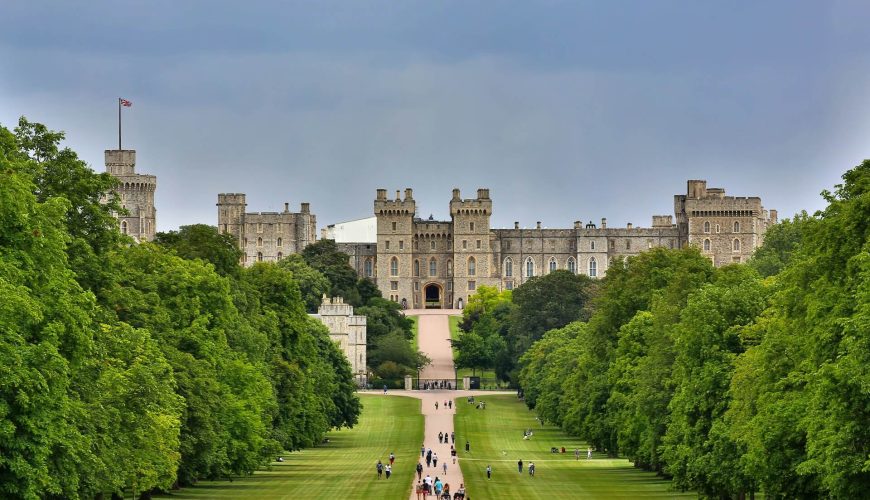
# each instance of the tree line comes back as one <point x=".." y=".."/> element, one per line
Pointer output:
<point x="129" y="368"/>
<point x="747" y="378"/>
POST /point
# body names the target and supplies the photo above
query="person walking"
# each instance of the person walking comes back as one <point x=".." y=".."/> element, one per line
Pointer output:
<point x="444" y="467"/>
<point x="520" y="466"/>
<point x="453" y="454"/>
<point x="436" y="405"/>
<point x="385" y="388"/>
<point x="489" y="472"/>
<point x="450" y="404"/>
<point x="392" y="458"/>
<point x="380" y="468"/>
<point x="440" y="437"/>
<point x="419" y="470"/>
<point x="576" y="453"/>
<point x="453" y="437"/>
<point x="429" y="460"/>
<point x="532" y="469"/>
<point x="389" y="470"/>
<point x="438" y="487"/>
<point x="435" y="460"/>
<point x="419" y="490"/>
<point x="588" y="453"/>
<point x="422" y="450"/>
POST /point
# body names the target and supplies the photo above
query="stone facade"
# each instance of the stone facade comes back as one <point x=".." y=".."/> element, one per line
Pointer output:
<point x="265" y="236"/>
<point x="347" y="330"/>
<point x="429" y="263"/>
<point x="136" y="192"/>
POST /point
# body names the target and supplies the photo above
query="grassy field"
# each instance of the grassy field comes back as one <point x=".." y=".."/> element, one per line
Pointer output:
<point x="342" y="468"/>
<point x="496" y="438"/>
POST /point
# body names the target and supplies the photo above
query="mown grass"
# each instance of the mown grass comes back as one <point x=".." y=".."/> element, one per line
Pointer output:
<point x="342" y="468"/>
<point x="496" y="438"/>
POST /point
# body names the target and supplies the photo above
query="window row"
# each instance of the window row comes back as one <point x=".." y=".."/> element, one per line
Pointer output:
<point x="735" y="245"/>
<point x="707" y="226"/>
<point x="571" y="266"/>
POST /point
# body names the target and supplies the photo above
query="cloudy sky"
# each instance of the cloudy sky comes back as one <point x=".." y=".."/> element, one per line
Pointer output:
<point x="565" y="110"/>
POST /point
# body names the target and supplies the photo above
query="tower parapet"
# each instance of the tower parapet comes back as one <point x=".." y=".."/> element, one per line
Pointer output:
<point x="136" y="193"/>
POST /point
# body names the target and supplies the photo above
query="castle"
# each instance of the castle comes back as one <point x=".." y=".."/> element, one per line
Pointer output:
<point x="136" y="193"/>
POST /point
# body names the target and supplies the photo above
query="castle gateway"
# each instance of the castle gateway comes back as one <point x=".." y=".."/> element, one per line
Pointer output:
<point x="439" y="264"/>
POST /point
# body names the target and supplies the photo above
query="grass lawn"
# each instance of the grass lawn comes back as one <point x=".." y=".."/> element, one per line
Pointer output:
<point x="342" y="468"/>
<point x="496" y="438"/>
<point x="415" y="331"/>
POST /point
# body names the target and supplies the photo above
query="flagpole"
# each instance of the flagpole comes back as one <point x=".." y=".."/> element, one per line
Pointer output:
<point x="119" y="124"/>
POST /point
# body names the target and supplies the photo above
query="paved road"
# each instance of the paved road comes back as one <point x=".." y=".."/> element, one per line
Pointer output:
<point x="434" y="341"/>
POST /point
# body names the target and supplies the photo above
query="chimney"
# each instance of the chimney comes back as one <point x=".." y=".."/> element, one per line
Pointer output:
<point x="603" y="223"/>
<point x="773" y="216"/>
<point x="482" y="194"/>
<point x="628" y="225"/>
<point x="578" y="224"/>
<point x="516" y="224"/>
<point x="382" y="194"/>
<point x="398" y="197"/>
<point x="286" y="207"/>
<point x="538" y="225"/>
<point x="456" y="194"/>
<point x="409" y="194"/>
<point x="306" y="207"/>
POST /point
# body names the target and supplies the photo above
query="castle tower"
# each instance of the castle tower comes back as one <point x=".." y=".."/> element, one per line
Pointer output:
<point x="395" y="228"/>
<point x="471" y="245"/>
<point x="136" y="192"/>
<point x="231" y="215"/>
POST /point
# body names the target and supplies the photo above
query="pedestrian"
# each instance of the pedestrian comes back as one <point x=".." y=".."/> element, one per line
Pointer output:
<point x="446" y="490"/>
<point x="392" y="458"/>
<point x="438" y="487"/>
<point x="467" y="446"/>
<point x="576" y="453"/>
<point x="389" y="469"/>
<point x="436" y="405"/>
<point x="427" y="484"/>
<point x="380" y="468"/>
<point x="489" y="472"/>
<point x="385" y="388"/>
<point x="453" y="454"/>
<point x="428" y="460"/>
<point x="450" y="404"/>
<point x="461" y="491"/>
<point x="440" y="437"/>
<point x="444" y="467"/>
<point x="452" y="436"/>
<point x="419" y="490"/>
<point x="419" y="470"/>
<point x="532" y="469"/>
<point x="520" y="466"/>
<point x="588" y="453"/>
<point x="422" y="451"/>
<point x="435" y="460"/>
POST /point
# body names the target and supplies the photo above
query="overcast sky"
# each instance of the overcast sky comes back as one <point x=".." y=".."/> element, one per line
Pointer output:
<point x="565" y="110"/>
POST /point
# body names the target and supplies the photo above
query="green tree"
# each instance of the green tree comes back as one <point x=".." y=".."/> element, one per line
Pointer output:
<point x="312" y="283"/>
<point x="201" y="241"/>
<point x="325" y="257"/>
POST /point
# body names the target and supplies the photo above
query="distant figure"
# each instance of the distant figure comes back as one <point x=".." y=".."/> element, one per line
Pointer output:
<point x="467" y="446"/>
<point x="577" y="454"/>
<point x="435" y="460"/>
<point x="380" y="468"/>
<point x="419" y="490"/>
<point x="489" y="472"/>
<point x="440" y="437"/>
<point x="436" y="402"/>
<point x="385" y="388"/>
<point x="389" y="471"/>
<point x="588" y="453"/>
<point x="392" y="458"/>
<point x="452" y="436"/>
<point x="531" y="469"/>
<point x="419" y="470"/>
<point x="444" y="467"/>
<point x="520" y="466"/>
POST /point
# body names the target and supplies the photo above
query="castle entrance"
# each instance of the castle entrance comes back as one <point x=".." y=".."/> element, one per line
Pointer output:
<point x="433" y="296"/>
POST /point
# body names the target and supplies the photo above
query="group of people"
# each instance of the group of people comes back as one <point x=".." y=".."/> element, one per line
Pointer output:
<point x="448" y="404"/>
<point x="427" y="486"/>
<point x="437" y="384"/>
<point x="531" y="467"/>
<point x="385" y="469"/>
<point x="442" y="437"/>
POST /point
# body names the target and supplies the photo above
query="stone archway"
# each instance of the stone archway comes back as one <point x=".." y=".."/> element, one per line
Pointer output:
<point x="432" y="296"/>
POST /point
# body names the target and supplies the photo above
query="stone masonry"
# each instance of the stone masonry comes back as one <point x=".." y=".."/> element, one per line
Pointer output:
<point x="136" y="192"/>
<point x="347" y="330"/>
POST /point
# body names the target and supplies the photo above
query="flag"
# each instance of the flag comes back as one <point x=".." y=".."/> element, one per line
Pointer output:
<point x="126" y="103"/>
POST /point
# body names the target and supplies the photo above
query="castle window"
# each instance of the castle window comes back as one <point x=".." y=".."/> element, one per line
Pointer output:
<point x="394" y="267"/>
<point x="280" y="242"/>
<point x="591" y="245"/>
<point x="401" y="244"/>
<point x="508" y="267"/>
<point x="572" y="265"/>
<point x="509" y="285"/>
<point x="433" y="267"/>
<point x="368" y="268"/>
<point x="246" y="242"/>
<point x="472" y="266"/>
<point x="416" y="268"/>
<point x="736" y="226"/>
<point x="530" y="267"/>
<point x="706" y="226"/>
<point x="259" y="227"/>
<point x="464" y="244"/>
<point x="718" y="228"/>
<point x="280" y="255"/>
<point x="552" y="264"/>
<point x="387" y="244"/>
<point x="507" y="245"/>
<point x="394" y="285"/>
<point x="259" y="256"/>
<point x="736" y="245"/>
<point x="394" y="226"/>
<point x="707" y="244"/>
<point x="449" y="268"/>
<point x="432" y="245"/>
<point x="628" y="244"/>
<point x="478" y="244"/>
<point x="123" y="227"/>
<point x="593" y="267"/>
<point x="613" y="244"/>
<point x="449" y="286"/>
<point x="472" y="285"/>
<point x="735" y="259"/>
<point x="416" y="286"/>
<point x="471" y="226"/>
<point x="259" y="242"/>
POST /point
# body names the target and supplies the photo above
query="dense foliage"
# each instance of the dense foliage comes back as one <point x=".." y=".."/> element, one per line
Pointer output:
<point x="131" y="367"/>
<point x="751" y="377"/>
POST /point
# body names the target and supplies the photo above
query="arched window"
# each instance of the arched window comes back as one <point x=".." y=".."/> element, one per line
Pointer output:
<point x="280" y="255"/>
<point x="572" y="265"/>
<point x="416" y="268"/>
<point x="593" y="267"/>
<point x="433" y="267"/>
<point x="472" y="266"/>
<point x="259" y="242"/>
<point x="432" y="244"/>
<point x="736" y="245"/>
<point x="591" y="245"/>
<point x="508" y="267"/>
<point x="394" y="267"/>
<point x="552" y="264"/>
<point x="707" y="244"/>
<point x="280" y="242"/>
<point x="718" y="229"/>
<point x="259" y="256"/>
<point x="736" y="226"/>
<point x="449" y="268"/>
<point x="368" y="268"/>
<point x="123" y="227"/>
<point x="530" y="267"/>
<point x="707" y="226"/>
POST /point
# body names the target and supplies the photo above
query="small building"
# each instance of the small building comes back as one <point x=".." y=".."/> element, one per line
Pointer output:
<point x="348" y="330"/>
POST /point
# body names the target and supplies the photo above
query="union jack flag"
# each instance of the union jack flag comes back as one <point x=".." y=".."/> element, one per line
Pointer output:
<point x="126" y="103"/>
